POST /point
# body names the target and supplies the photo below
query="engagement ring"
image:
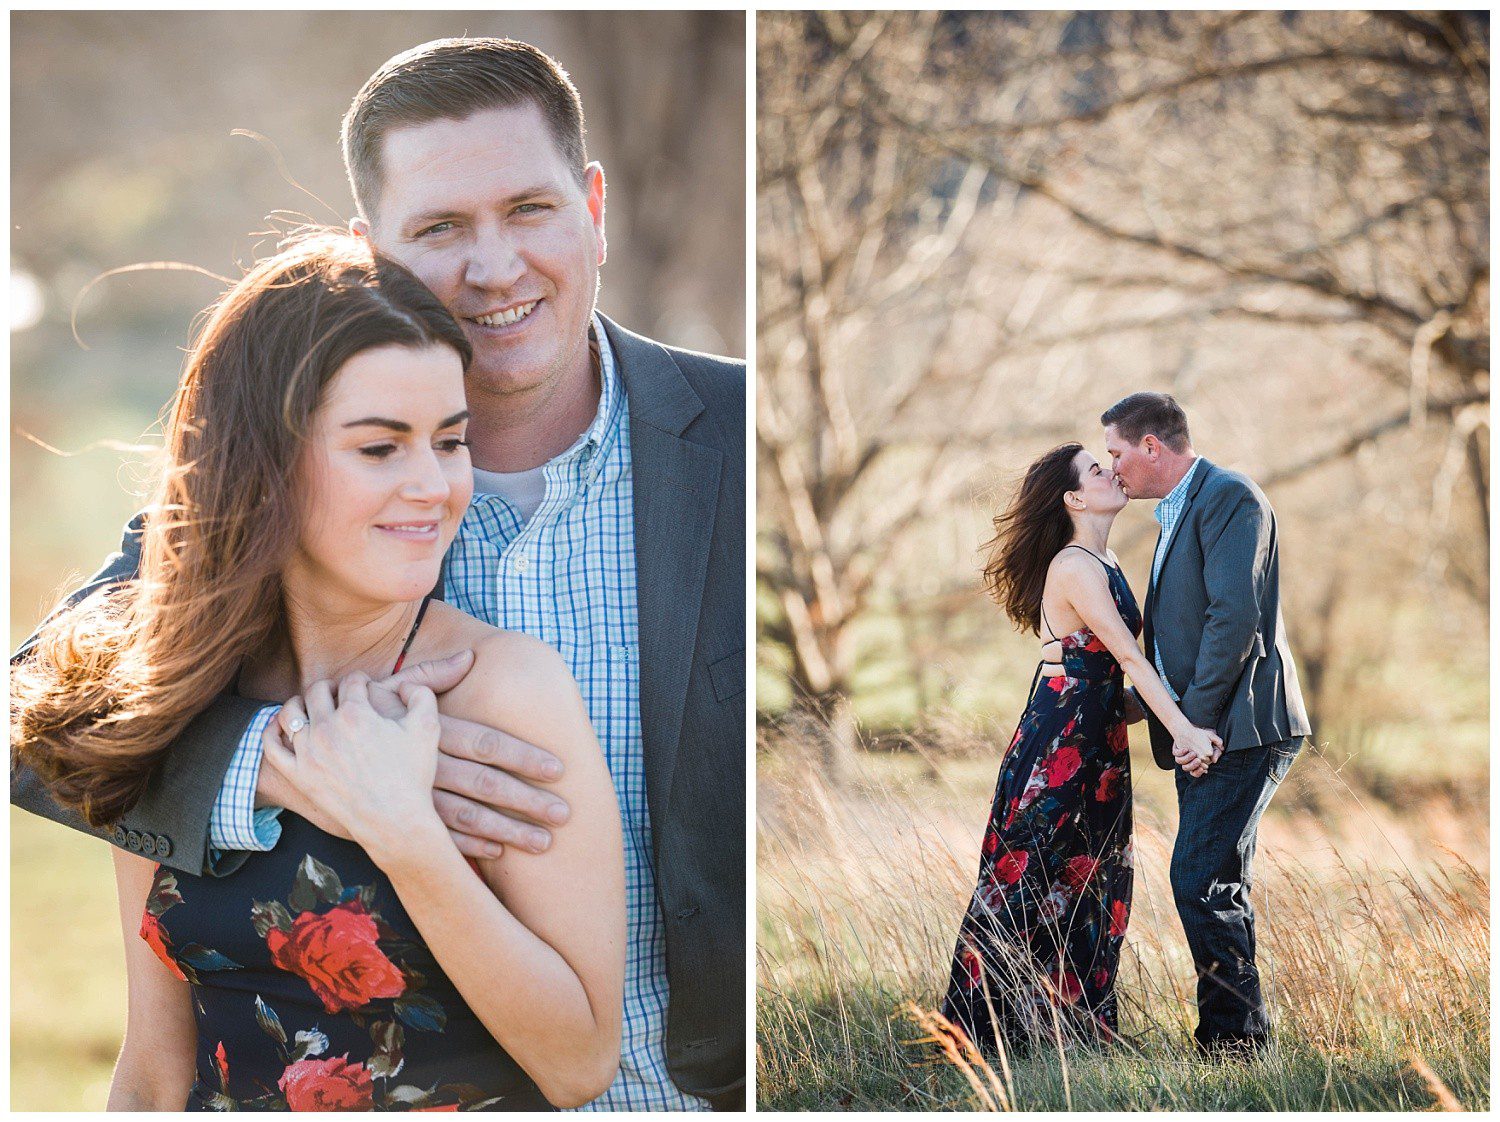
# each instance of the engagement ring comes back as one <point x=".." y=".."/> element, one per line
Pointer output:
<point x="296" y="725"/>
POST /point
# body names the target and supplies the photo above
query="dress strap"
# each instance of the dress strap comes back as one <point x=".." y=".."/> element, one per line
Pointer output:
<point x="412" y="634"/>
<point x="1074" y="545"/>
<point x="1051" y="635"/>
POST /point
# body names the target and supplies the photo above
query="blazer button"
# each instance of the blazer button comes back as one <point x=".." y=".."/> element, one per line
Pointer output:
<point x="688" y="913"/>
<point x="163" y="846"/>
<point x="148" y="843"/>
<point x="119" y="835"/>
<point x="133" y="840"/>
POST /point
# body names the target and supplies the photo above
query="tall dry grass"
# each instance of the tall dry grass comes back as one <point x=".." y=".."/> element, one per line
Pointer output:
<point x="1373" y="937"/>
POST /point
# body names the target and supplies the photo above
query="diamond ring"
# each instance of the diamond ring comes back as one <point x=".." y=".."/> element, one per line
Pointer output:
<point x="296" y="725"/>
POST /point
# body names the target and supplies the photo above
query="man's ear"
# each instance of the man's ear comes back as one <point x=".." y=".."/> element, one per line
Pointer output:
<point x="1151" y="446"/>
<point x="359" y="227"/>
<point x="593" y="186"/>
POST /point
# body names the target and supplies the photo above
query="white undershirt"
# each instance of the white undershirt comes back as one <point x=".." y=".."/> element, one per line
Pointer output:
<point x="524" y="490"/>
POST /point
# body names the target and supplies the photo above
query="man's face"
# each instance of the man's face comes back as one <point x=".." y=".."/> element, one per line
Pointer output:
<point x="488" y="214"/>
<point x="1134" y="464"/>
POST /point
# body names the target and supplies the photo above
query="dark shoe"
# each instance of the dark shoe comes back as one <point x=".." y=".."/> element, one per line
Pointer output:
<point x="1232" y="1048"/>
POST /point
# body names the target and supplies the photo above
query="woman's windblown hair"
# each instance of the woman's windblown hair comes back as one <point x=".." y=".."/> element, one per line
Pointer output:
<point x="113" y="680"/>
<point x="1034" y="527"/>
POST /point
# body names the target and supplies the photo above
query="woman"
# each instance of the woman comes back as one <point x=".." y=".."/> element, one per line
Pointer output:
<point x="316" y="473"/>
<point x="1040" y="944"/>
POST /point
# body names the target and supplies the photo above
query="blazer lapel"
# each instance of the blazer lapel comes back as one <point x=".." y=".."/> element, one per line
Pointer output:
<point x="1148" y="632"/>
<point x="675" y="490"/>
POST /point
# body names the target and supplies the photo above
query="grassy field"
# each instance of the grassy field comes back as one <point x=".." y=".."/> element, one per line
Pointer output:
<point x="1373" y="933"/>
<point x="67" y="968"/>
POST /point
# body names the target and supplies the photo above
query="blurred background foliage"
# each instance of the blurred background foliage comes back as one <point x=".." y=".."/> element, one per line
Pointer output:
<point x="977" y="231"/>
<point x="122" y="153"/>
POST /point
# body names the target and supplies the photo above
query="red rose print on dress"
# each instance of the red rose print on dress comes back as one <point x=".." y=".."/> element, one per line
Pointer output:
<point x="1119" y="916"/>
<point x="1010" y="866"/>
<point x="1117" y="739"/>
<point x="333" y="1084"/>
<point x="1109" y="784"/>
<point x="221" y="1065"/>
<point x="1079" y="869"/>
<point x="156" y="939"/>
<point x="338" y="955"/>
<point x="991" y="841"/>
<point x="1066" y="988"/>
<point x="971" y="965"/>
<point x="1062" y="765"/>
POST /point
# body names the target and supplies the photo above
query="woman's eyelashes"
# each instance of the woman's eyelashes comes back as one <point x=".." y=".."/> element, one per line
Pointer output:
<point x="447" y="445"/>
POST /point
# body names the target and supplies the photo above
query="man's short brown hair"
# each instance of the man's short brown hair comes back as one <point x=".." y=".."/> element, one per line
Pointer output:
<point x="1149" y="414"/>
<point x="452" y="79"/>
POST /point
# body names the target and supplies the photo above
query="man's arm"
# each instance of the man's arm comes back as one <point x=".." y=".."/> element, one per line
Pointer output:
<point x="1236" y="536"/>
<point x="170" y="824"/>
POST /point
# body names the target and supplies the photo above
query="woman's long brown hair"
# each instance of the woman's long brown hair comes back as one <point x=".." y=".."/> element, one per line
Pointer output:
<point x="113" y="680"/>
<point x="1034" y="527"/>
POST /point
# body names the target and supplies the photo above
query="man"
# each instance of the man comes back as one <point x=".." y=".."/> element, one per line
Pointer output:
<point x="608" y="520"/>
<point x="1213" y="629"/>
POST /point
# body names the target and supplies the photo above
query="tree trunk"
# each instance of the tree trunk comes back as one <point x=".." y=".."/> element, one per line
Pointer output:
<point x="839" y="738"/>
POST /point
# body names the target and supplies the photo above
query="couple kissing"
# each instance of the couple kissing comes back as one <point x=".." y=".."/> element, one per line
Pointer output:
<point x="1038" y="950"/>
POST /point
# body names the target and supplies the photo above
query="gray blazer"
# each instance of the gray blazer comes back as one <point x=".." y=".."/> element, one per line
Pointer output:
<point x="687" y="440"/>
<point x="1214" y="615"/>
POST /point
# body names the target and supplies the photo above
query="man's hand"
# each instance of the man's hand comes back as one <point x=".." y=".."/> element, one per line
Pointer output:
<point x="1195" y="749"/>
<point x="484" y="791"/>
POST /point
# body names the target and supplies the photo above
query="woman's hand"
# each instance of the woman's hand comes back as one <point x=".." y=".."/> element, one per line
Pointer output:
<point x="1195" y="749"/>
<point x="369" y="775"/>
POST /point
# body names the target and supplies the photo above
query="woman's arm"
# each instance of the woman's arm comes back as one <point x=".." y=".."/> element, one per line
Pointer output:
<point x="543" y="965"/>
<point x="537" y="945"/>
<point x="156" y="1065"/>
<point x="1087" y="592"/>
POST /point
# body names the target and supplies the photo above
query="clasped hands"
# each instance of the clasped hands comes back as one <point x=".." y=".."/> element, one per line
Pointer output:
<point x="363" y="750"/>
<point x="1194" y="749"/>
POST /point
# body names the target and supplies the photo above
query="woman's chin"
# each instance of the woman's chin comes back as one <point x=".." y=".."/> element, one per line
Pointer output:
<point x="412" y="583"/>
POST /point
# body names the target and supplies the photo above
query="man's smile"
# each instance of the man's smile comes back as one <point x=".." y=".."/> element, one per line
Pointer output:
<point x="505" y="317"/>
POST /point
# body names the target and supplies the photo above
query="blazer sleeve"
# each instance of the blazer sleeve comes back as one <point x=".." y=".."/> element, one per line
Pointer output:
<point x="173" y="814"/>
<point x="1235" y="532"/>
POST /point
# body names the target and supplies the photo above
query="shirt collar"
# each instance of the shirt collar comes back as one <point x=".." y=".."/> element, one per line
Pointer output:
<point x="1169" y="505"/>
<point x="609" y="387"/>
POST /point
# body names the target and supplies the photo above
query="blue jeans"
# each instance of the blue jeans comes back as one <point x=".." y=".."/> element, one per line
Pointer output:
<point x="1218" y="815"/>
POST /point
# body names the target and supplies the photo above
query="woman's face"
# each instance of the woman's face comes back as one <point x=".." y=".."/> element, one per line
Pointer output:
<point x="387" y="474"/>
<point x="1098" y="488"/>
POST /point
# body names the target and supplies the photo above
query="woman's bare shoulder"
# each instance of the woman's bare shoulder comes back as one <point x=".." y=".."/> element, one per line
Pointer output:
<point x="515" y="677"/>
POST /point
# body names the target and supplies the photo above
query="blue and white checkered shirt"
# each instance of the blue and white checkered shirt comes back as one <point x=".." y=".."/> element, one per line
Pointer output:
<point x="566" y="576"/>
<point x="1168" y="511"/>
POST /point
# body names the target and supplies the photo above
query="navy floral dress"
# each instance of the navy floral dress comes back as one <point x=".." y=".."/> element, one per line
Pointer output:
<point x="1039" y="947"/>
<point x="313" y="990"/>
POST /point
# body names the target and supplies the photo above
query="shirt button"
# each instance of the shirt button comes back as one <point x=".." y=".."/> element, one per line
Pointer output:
<point x="518" y="565"/>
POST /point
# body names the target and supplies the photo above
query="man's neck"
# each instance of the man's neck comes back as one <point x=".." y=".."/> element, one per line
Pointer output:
<point x="1178" y="471"/>
<point x="518" y="432"/>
